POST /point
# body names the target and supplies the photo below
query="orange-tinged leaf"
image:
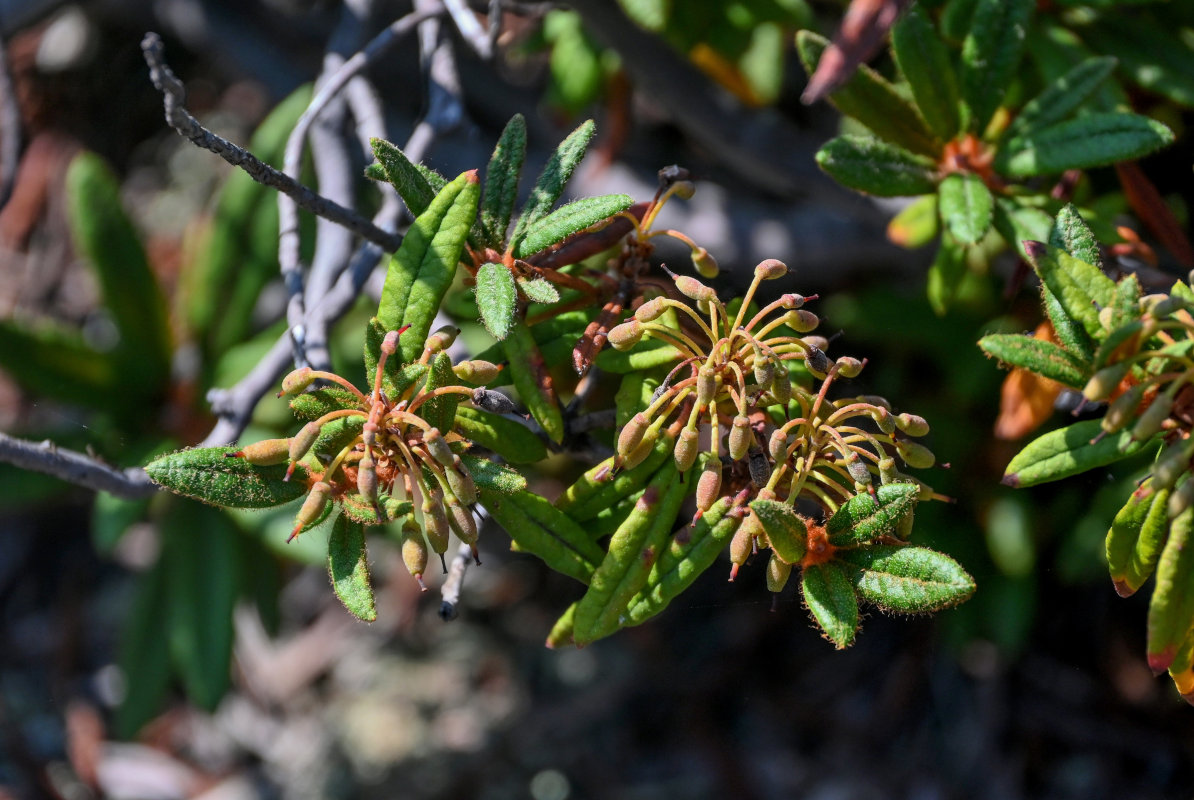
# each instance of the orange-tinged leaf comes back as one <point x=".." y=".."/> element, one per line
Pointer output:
<point x="1026" y="400"/>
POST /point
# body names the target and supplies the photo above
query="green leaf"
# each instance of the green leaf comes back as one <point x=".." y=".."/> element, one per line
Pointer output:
<point x="966" y="205"/>
<point x="494" y="477"/>
<point x="1056" y="50"/>
<point x="647" y="354"/>
<point x="863" y="518"/>
<point x="111" y="516"/>
<point x="924" y="60"/>
<point x="1071" y="234"/>
<point x="832" y="601"/>
<point x="508" y="438"/>
<point x="1152" y="57"/>
<point x="552" y="180"/>
<point x="907" y="579"/>
<point x="633" y="549"/>
<point x="107" y="239"/>
<point x="785" y="529"/>
<point x="337" y="434"/>
<point x="569" y="219"/>
<point x="144" y="656"/>
<point x="650" y="14"/>
<point x="530" y="376"/>
<point x="575" y="66"/>
<point x="539" y="290"/>
<point x="348" y="568"/>
<point x="539" y="528"/>
<point x="440" y="411"/>
<point x="412" y="183"/>
<point x="600" y="488"/>
<point x="1080" y="288"/>
<point x="1069" y="451"/>
<point x="876" y="167"/>
<point x="946" y="272"/>
<point x="1171" y="608"/>
<point x="1036" y="355"/>
<point x="1093" y="140"/>
<point x="1061" y="97"/>
<point x="497" y="297"/>
<point x="501" y="181"/>
<point x="424" y="266"/>
<point x="873" y="101"/>
<point x="53" y="361"/>
<point x="205" y="473"/>
<point x="314" y="404"/>
<point x="1146" y="549"/>
<point x="990" y="54"/>
<point x="1125" y="531"/>
<point x="201" y="553"/>
<point x="917" y="224"/>
<point x="1018" y="223"/>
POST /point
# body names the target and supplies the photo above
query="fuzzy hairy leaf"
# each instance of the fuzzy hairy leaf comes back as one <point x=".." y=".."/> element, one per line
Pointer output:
<point x="1160" y="64"/>
<point x="207" y="474"/>
<point x="863" y="518"/>
<point x="424" y="266"/>
<point x="1071" y="234"/>
<point x="569" y="219"/>
<point x="1124" y="535"/>
<point x="501" y="181"/>
<point x="539" y="528"/>
<point x="440" y="412"/>
<point x="552" y="180"/>
<point x="1061" y="97"/>
<point x="337" y="434"/>
<point x="785" y="529"/>
<point x="875" y="167"/>
<point x="508" y="438"/>
<point x="493" y="477"/>
<point x="412" y="183"/>
<point x="1080" y="289"/>
<point x="1093" y="140"/>
<point x="314" y="404"/>
<point x="873" y="101"/>
<point x="348" y="568"/>
<point x="906" y="579"/>
<point x="833" y="602"/>
<point x="539" y="290"/>
<point x="497" y="297"/>
<point x="924" y="60"/>
<point x="1171" y="608"/>
<point x="1069" y="451"/>
<point x="966" y="205"/>
<point x="990" y="55"/>
<point x="1036" y="355"/>
<point x="599" y="489"/>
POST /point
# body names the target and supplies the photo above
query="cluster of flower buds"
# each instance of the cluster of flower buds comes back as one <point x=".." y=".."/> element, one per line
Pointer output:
<point x="378" y="455"/>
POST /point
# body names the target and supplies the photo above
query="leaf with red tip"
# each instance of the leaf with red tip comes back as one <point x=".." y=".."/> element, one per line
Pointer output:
<point x="1171" y="609"/>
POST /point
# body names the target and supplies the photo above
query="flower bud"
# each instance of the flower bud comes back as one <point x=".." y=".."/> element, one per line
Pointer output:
<point x="764" y="370"/>
<point x="632" y="434"/>
<point x="1166" y="306"/>
<point x="777" y="445"/>
<point x="781" y="387"/>
<point x="461" y="519"/>
<point x="651" y="310"/>
<point x="741" y="437"/>
<point x="912" y="425"/>
<point x="312" y="507"/>
<point x="771" y="269"/>
<point x="792" y="300"/>
<point x="264" y="453"/>
<point x="705" y="264"/>
<point x="300" y="444"/>
<point x="640" y="452"/>
<point x="777" y="574"/>
<point x="801" y="320"/>
<point x="685" y="452"/>
<point x="626" y="335"/>
<point x="414" y="552"/>
<point x="694" y="289"/>
<point x="1106" y="313"/>
<point x="297" y="381"/>
<point x="1123" y="409"/>
<point x="741" y="546"/>
<point x="1103" y="382"/>
<point x="884" y="420"/>
<point x="367" y="482"/>
<point x="684" y="189"/>
<point x="442" y="339"/>
<point x="435" y="519"/>
<point x="848" y="367"/>
<point x="858" y="470"/>
<point x="706" y="386"/>
<point x="460" y="481"/>
<point x="888" y="473"/>
<point x="493" y="401"/>
<point x="1152" y="418"/>
<point x="819" y="342"/>
<point x="709" y="485"/>
<point x="481" y="372"/>
<point x="438" y="447"/>
<point x="915" y="455"/>
<point x="389" y="343"/>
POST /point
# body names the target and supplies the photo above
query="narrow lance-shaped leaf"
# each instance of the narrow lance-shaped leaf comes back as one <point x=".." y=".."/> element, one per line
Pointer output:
<point x="876" y="167"/>
<point x="966" y="205"/>
<point x="440" y="411"/>
<point x="539" y="290"/>
<point x="508" y="438"/>
<point x="1081" y="289"/>
<point x="1125" y="532"/>
<point x="1171" y="609"/>
<point x="925" y="62"/>
<point x="1093" y="140"/>
<point x="1069" y="451"/>
<point x="1071" y="234"/>
<point x="207" y="474"/>
<point x="833" y="602"/>
<point x="532" y="380"/>
<point x="863" y="518"/>
<point x="54" y="361"/>
<point x="1036" y="355"/>
<point x="348" y="568"/>
<point x="907" y="579"/>
<point x="496" y="477"/>
<point x="145" y="652"/>
<point x="535" y="526"/>
<point x="1159" y="63"/>
<point x="569" y="219"/>
<point x="501" y="180"/>
<point x="1061" y="97"/>
<point x="497" y="298"/>
<point x="785" y="529"/>
<point x="598" y="489"/>
<point x="1147" y="549"/>
<point x="873" y="101"/>
<point x="1018" y="223"/>
<point x="422" y="269"/>
<point x="414" y="185"/>
<point x="552" y="180"/>
<point x="990" y="55"/>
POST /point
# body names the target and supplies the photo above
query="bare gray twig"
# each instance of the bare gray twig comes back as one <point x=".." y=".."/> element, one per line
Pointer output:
<point x="450" y="590"/>
<point x="74" y="467"/>
<point x="182" y="121"/>
<point x="10" y="130"/>
<point x="478" y="38"/>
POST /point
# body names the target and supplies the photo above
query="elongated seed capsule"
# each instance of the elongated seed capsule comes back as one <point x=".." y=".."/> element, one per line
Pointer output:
<point x="741" y="546"/>
<point x="297" y="381"/>
<point x="777" y="445"/>
<point x="884" y="419"/>
<point x="460" y="481"/>
<point x="684" y="189"/>
<point x="436" y="531"/>
<point x="781" y="387"/>
<point x="312" y="507"/>
<point x="801" y="320"/>
<point x="641" y="450"/>
<point x="1122" y="409"/>
<point x="632" y="434"/>
<point x="686" y="449"/>
<point x="764" y="370"/>
<point x="414" y="552"/>
<point x="265" y="453"/>
<point x="706" y="386"/>
<point x="709" y="485"/>
<point x="858" y="470"/>
<point x="300" y="444"/>
<point x="435" y="518"/>
<point x="438" y="447"/>
<point x="367" y="483"/>
<point x="476" y="371"/>
<point x="888" y="473"/>
<point x="915" y="455"/>
<point x="651" y="310"/>
<point x="442" y="339"/>
<point x="626" y="335"/>
<point x="493" y="401"/>
<point x="777" y="574"/>
<point x="465" y="526"/>
<point x="770" y="269"/>
<point x="912" y="425"/>
<point x="705" y="264"/>
<point x="1153" y="418"/>
<point x="1166" y="306"/>
<point x="741" y="438"/>
<point x="849" y="367"/>
<point x="818" y="363"/>
<point x="1103" y="383"/>
<point x="1173" y="461"/>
